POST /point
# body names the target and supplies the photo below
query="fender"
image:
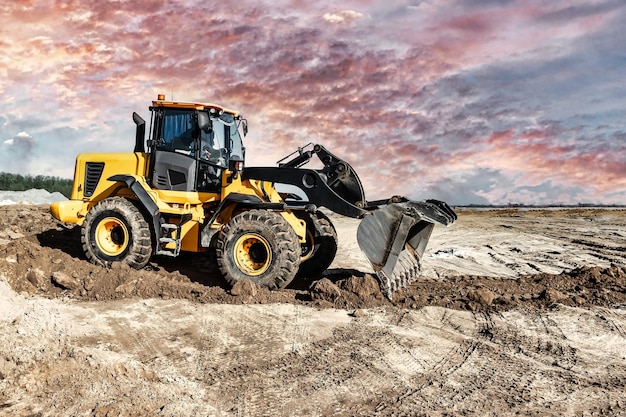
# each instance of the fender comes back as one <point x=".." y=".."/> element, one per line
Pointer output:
<point x="144" y="198"/>
<point x="247" y="200"/>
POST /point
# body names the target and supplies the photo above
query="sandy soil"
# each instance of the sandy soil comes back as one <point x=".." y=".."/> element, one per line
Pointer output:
<point x="518" y="312"/>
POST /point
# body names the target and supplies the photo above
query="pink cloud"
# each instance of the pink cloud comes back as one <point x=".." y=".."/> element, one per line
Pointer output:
<point x="539" y="157"/>
<point x="362" y="81"/>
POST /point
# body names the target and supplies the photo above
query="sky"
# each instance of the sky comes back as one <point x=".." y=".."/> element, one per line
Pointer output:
<point x="466" y="101"/>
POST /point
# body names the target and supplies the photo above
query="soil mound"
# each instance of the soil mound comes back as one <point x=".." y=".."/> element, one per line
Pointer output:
<point x="40" y="255"/>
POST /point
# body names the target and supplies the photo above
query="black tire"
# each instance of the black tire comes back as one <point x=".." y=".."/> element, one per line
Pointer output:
<point x="115" y="230"/>
<point x="261" y="246"/>
<point x="321" y="245"/>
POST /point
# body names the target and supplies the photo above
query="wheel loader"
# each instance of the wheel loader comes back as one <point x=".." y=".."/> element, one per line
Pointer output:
<point x="186" y="188"/>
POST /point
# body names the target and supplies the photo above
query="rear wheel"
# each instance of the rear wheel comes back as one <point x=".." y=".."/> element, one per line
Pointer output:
<point x="321" y="245"/>
<point x="114" y="230"/>
<point x="261" y="246"/>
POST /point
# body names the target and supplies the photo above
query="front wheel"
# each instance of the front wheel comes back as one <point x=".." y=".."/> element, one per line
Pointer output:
<point x="261" y="246"/>
<point x="114" y="230"/>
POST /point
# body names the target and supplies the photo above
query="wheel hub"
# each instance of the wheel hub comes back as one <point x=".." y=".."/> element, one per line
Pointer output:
<point x="252" y="254"/>
<point x="112" y="236"/>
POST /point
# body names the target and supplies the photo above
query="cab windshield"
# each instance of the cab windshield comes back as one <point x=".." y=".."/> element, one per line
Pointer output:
<point x="180" y="133"/>
<point x="225" y="126"/>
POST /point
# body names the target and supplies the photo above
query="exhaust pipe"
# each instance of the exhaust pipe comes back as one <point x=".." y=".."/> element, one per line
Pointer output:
<point x="140" y="133"/>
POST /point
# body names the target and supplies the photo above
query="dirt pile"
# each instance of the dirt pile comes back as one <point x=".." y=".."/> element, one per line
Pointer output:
<point x="40" y="255"/>
<point x="582" y="287"/>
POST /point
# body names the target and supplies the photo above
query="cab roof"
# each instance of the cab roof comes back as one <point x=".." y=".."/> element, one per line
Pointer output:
<point x="197" y="106"/>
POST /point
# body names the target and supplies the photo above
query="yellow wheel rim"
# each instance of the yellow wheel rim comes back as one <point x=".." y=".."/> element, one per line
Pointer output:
<point x="252" y="254"/>
<point x="310" y="245"/>
<point x="112" y="236"/>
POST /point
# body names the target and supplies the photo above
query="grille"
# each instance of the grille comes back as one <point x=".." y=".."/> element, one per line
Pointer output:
<point x="93" y="172"/>
<point x="161" y="181"/>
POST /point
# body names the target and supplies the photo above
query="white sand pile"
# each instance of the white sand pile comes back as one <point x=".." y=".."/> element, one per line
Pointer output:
<point x="33" y="196"/>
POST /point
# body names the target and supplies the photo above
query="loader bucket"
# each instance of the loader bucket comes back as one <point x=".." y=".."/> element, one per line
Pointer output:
<point x="394" y="237"/>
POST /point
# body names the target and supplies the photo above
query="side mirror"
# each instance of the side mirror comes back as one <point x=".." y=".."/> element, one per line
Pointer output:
<point x="204" y="123"/>
<point x="235" y="163"/>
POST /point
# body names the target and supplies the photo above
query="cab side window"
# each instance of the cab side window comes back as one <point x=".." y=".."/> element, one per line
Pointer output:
<point x="178" y="131"/>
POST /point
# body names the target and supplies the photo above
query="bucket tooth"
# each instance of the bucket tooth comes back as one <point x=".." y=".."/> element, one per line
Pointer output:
<point x="385" y="283"/>
<point x="406" y="271"/>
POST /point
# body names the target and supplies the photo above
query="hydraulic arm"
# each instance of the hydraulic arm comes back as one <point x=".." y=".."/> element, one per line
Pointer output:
<point x="394" y="232"/>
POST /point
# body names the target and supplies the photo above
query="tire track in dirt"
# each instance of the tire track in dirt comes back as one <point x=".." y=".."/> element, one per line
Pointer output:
<point x="556" y="346"/>
<point x="253" y="377"/>
<point x="354" y="363"/>
<point x="255" y="391"/>
<point x="614" y="320"/>
<point x="467" y="353"/>
<point x="593" y="243"/>
<point x="456" y="344"/>
<point x="300" y="332"/>
<point x="411" y="392"/>
<point x="527" y="362"/>
<point x="546" y="351"/>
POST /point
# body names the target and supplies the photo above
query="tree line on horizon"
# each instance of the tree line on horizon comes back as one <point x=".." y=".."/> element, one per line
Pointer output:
<point x="17" y="182"/>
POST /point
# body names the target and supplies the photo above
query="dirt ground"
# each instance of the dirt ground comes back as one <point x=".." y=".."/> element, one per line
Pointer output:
<point x="518" y="312"/>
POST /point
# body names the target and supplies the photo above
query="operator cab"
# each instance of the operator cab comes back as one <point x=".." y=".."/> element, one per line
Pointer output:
<point x="192" y="144"/>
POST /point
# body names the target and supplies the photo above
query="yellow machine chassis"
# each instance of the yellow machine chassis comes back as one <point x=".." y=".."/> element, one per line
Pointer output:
<point x="171" y="204"/>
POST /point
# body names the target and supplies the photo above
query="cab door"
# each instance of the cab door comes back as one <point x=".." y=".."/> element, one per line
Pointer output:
<point x="173" y="160"/>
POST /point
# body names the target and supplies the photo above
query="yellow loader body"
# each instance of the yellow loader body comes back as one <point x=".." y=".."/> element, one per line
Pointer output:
<point x="184" y="188"/>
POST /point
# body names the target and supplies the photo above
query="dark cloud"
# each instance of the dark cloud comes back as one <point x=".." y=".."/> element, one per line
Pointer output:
<point x="547" y="193"/>
<point x="574" y="12"/>
<point x="17" y="152"/>
<point x="471" y="187"/>
<point x="479" y="4"/>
